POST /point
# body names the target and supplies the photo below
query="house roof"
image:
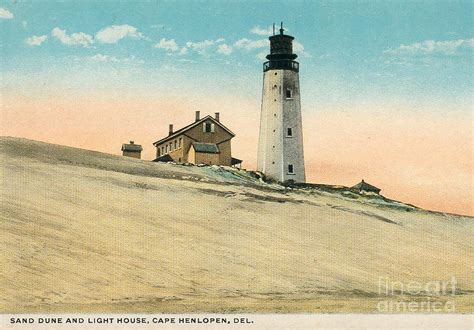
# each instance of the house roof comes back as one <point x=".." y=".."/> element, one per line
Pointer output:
<point x="164" y="158"/>
<point x="365" y="186"/>
<point x="207" y="148"/>
<point x="131" y="147"/>
<point x="196" y="123"/>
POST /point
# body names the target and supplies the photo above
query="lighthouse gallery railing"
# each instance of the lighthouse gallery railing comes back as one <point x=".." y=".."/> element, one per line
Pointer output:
<point x="281" y="65"/>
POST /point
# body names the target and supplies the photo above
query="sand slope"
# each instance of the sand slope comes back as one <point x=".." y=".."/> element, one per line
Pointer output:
<point x="86" y="231"/>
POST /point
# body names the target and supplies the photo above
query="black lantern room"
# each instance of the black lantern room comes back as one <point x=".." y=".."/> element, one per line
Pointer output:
<point x="281" y="55"/>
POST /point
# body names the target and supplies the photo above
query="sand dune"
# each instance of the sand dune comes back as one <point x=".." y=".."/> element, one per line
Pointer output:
<point x="86" y="231"/>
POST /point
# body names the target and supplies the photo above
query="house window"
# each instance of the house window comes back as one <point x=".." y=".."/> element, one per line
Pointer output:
<point x="289" y="94"/>
<point x="289" y="131"/>
<point x="179" y="143"/>
<point x="171" y="146"/>
<point x="208" y="127"/>
<point x="162" y="150"/>
<point x="175" y="144"/>
<point x="166" y="148"/>
<point x="158" y="152"/>
<point x="290" y="169"/>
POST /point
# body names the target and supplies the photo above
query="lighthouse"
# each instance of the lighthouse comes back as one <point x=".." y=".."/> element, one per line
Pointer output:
<point x="280" y="145"/>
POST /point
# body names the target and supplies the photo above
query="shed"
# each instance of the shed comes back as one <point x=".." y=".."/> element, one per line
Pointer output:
<point x="132" y="150"/>
<point x="236" y="162"/>
<point x="364" y="186"/>
<point x="165" y="158"/>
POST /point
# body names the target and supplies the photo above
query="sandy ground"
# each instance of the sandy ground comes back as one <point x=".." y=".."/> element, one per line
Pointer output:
<point x="89" y="232"/>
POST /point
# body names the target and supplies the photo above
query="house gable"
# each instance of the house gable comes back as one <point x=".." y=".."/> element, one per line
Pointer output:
<point x="186" y="130"/>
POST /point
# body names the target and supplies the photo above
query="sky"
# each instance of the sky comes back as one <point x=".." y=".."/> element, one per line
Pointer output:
<point x="386" y="86"/>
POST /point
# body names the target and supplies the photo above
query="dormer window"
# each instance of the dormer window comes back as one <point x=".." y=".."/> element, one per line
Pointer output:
<point x="289" y="94"/>
<point x="208" y="127"/>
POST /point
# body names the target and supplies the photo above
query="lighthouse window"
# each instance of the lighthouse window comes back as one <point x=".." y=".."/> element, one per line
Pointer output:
<point x="290" y="169"/>
<point x="289" y="94"/>
<point x="289" y="131"/>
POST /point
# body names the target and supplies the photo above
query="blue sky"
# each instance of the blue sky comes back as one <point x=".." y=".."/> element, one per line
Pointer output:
<point x="349" y="50"/>
<point x="387" y="86"/>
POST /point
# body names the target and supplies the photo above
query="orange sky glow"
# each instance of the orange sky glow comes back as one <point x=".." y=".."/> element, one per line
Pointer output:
<point x="418" y="157"/>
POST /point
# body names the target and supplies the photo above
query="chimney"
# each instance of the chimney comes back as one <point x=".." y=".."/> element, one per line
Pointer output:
<point x="198" y="115"/>
<point x="216" y="116"/>
<point x="132" y="142"/>
<point x="171" y="129"/>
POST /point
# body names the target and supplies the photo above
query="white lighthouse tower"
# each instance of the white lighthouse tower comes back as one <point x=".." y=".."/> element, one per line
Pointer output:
<point x="280" y="145"/>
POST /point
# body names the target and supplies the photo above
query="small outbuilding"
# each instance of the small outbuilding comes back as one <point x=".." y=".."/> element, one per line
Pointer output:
<point x="236" y="162"/>
<point x="132" y="150"/>
<point x="364" y="186"/>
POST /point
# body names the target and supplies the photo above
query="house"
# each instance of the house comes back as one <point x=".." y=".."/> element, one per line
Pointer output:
<point x="205" y="141"/>
<point x="364" y="186"/>
<point x="132" y="150"/>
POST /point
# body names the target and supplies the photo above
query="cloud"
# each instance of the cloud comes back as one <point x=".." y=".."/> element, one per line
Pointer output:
<point x="112" y="59"/>
<point x="251" y="44"/>
<point x="298" y="48"/>
<point x="201" y="47"/>
<point x="5" y="14"/>
<point x="262" y="56"/>
<point x="432" y="47"/>
<point x="262" y="31"/>
<point x="103" y="58"/>
<point x="108" y="35"/>
<point x="79" y="38"/>
<point x="114" y="33"/>
<point x="167" y="44"/>
<point x="36" y="40"/>
<point x="171" y="46"/>
<point x="224" y="49"/>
